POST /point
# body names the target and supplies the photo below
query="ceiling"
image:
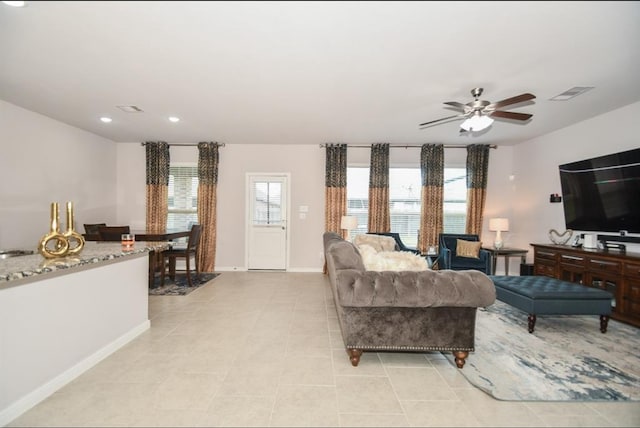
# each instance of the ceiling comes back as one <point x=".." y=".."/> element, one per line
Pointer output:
<point x="315" y="72"/>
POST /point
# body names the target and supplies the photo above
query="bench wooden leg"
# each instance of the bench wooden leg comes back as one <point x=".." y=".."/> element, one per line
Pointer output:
<point x="604" y="321"/>
<point x="532" y="322"/>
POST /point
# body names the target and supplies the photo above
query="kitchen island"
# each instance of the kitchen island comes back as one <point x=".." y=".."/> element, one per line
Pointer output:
<point x="60" y="317"/>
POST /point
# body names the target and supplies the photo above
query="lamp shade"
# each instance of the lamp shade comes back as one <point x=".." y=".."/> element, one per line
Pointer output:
<point x="499" y="224"/>
<point x="476" y="123"/>
<point x="348" y="222"/>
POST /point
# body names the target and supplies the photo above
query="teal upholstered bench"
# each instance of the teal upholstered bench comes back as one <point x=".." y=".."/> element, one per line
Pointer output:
<point x="541" y="295"/>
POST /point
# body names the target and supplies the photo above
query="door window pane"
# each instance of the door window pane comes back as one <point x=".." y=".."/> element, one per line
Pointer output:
<point x="267" y="204"/>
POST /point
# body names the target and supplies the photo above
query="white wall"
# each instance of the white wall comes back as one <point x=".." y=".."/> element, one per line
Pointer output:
<point x="43" y="161"/>
<point x="535" y="166"/>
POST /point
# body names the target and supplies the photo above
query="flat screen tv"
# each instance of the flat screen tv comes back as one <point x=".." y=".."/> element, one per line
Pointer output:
<point x="602" y="194"/>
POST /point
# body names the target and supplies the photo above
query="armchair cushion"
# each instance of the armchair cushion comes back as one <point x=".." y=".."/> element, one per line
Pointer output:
<point x="468" y="249"/>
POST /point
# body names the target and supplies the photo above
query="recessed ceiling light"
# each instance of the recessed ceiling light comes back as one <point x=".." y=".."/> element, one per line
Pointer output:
<point x="15" y="3"/>
<point x="174" y="119"/>
<point x="106" y="119"/>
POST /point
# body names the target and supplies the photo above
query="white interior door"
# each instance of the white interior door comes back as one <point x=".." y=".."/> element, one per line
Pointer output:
<point x="267" y="222"/>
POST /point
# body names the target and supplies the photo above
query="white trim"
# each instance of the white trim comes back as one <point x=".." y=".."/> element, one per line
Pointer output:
<point x="292" y="270"/>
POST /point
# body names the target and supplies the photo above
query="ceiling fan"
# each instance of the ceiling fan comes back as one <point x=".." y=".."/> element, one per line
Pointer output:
<point x="479" y="114"/>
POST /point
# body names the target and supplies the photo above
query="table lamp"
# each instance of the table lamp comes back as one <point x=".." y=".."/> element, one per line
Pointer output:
<point x="498" y="225"/>
<point x="348" y="222"/>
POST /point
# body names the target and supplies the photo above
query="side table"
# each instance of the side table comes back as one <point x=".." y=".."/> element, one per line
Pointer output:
<point x="432" y="260"/>
<point x="506" y="253"/>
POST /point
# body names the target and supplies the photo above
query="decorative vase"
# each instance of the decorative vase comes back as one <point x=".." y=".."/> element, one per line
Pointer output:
<point x="53" y="244"/>
<point x="75" y="240"/>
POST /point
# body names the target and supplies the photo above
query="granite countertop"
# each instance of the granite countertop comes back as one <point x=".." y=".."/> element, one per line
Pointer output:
<point x="29" y="266"/>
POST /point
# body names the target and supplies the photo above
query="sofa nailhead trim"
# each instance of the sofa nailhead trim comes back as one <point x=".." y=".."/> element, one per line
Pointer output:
<point x="409" y="348"/>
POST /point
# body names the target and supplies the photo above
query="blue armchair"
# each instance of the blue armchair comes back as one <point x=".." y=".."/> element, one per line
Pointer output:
<point x="450" y="260"/>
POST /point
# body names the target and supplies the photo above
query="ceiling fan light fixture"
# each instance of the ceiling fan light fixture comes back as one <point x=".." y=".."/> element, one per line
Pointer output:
<point x="476" y="123"/>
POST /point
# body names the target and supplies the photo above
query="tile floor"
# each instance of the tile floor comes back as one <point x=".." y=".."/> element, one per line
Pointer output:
<point x="264" y="349"/>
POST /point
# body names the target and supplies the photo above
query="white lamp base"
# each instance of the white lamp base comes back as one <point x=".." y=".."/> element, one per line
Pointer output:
<point x="498" y="244"/>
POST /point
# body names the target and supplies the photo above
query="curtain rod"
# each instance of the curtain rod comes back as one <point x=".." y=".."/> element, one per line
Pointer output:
<point x="186" y="145"/>
<point x="407" y="146"/>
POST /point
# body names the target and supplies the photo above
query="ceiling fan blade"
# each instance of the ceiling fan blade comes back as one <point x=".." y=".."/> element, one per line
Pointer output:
<point x="456" y="104"/>
<point x="440" y="120"/>
<point x="513" y="100"/>
<point x="510" y="115"/>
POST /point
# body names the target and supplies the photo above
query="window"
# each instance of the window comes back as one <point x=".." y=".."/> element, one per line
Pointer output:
<point x="183" y="197"/>
<point x="405" y="189"/>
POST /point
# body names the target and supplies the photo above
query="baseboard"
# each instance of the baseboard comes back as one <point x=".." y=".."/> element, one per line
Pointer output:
<point x="38" y="395"/>
<point x="243" y="269"/>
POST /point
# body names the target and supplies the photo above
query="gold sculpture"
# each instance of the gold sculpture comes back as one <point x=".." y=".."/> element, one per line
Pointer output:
<point x="55" y="244"/>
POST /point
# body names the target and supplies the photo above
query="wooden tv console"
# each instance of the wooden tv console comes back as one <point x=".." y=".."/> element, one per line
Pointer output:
<point x="614" y="271"/>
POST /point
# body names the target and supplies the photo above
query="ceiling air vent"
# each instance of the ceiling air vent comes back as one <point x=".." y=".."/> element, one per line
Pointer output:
<point x="130" y="109"/>
<point x="575" y="91"/>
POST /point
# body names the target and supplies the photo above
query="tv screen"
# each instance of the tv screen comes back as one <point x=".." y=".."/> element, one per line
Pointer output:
<point x="602" y="194"/>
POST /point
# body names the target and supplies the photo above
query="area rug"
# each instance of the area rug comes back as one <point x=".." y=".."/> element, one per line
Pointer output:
<point x="180" y="287"/>
<point x="566" y="358"/>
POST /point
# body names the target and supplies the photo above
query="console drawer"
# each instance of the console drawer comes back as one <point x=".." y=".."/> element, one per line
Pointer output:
<point x="602" y="265"/>
<point x="571" y="260"/>
<point x="540" y="255"/>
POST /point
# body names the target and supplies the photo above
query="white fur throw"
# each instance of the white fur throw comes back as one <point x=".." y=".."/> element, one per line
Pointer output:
<point x="377" y="242"/>
<point x="391" y="260"/>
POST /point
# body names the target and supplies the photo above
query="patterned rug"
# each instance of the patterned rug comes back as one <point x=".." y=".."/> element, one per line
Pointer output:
<point x="180" y="287"/>
<point x="565" y="359"/>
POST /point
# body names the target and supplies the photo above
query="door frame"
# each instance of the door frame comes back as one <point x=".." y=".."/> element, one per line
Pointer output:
<point x="247" y="216"/>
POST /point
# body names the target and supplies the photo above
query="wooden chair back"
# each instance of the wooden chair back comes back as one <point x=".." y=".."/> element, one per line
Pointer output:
<point x="112" y="233"/>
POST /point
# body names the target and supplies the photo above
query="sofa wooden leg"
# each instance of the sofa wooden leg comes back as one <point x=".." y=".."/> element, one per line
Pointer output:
<point x="354" y="356"/>
<point x="461" y="356"/>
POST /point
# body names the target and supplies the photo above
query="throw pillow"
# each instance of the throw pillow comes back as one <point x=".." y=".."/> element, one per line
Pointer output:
<point x="469" y="249"/>
<point x="378" y="242"/>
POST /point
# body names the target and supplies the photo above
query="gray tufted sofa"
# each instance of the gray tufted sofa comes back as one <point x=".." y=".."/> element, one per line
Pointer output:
<point x="405" y="311"/>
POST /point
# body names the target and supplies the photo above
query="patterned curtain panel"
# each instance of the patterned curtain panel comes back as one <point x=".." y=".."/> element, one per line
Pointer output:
<point x="207" y="204"/>
<point x="379" y="215"/>
<point x="431" y="211"/>
<point x="477" y="167"/>
<point x="157" y="154"/>
<point x="335" y="187"/>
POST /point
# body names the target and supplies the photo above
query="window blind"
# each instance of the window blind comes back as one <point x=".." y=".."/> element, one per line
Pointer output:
<point x="183" y="197"/>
